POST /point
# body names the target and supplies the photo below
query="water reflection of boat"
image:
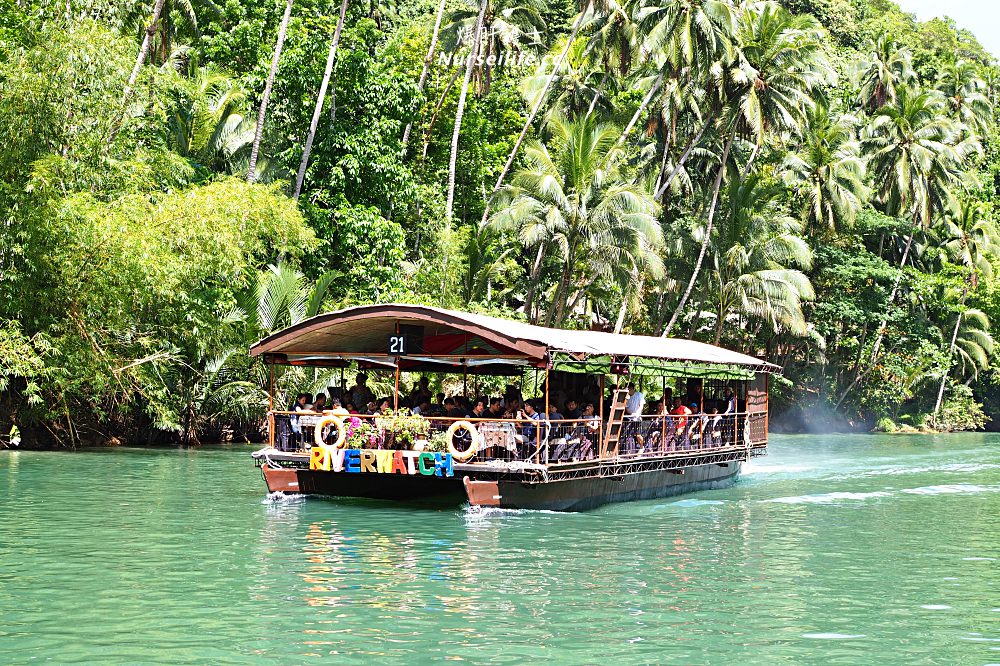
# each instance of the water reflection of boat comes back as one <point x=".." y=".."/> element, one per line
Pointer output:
<point x="530" y="459"/>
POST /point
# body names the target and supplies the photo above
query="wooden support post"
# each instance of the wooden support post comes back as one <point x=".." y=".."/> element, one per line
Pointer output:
<point x="767" y="408"/>
<point x="395" y="395"/>
<point x="664" y="410"/>
<point x="547" y="410"/>
<point x="270" y="405"/>
<point x="600" y="447"/>
<point x="270" y="387"/>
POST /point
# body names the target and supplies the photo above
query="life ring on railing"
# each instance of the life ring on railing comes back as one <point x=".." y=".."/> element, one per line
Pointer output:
<point x="334" y="421"/>
<point x="462" y="456"/>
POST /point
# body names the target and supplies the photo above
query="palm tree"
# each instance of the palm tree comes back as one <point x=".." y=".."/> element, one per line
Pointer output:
<point x="262" y="111"/>
<point x="785" y="65"/>
<point x="966" y="94"/>
<point x="914" y="162"/>
<point x="971" y="240"/>
<point x="281" y="297"/>
<point x="756" y="257"/>
<point x="507" y="30"/>
<point x="178" y="21"/>
<point x="886" y="69"/>
<point x="469" y="65"/>
<point x="826" y="171"/>
<point x="320" y="99"/>
<point x="973" y="344"/>
<point x="688" y="33"/>
<point x="780" y="66"/>
<point x="534" y="111"/>
<point x="688" y="39"/>
<point x="914" y="157"/>
<point x="208" y="122"/>
<point x="573" y="192"/>
<point x="574" y="89"/>
<point x="487" y="264"/>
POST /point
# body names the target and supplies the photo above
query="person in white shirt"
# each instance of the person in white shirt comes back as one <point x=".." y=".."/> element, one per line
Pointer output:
<point x="634" y="404"/>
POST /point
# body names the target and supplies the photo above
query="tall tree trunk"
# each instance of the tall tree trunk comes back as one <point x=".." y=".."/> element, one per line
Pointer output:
<point x="642" y="108"/>
<point x="620" y="322"/>
<point x="663" y="167"/>
<point x="951" y="354"/>
<point x="885" y="321"/>
<point x="262" y="111"/>
<point x="140" y="59"/>
<point x="708" y="234"/>
<point x="427" y="67"/>
<point x="320" y="99"/>
<point x="558" y="308"/>
<point x="720" y="322"/>
<point x="469" y="65"/>
<point x="536" y="270"/>
<point x="437" y="111"/>
<point x="683" y="158"/>
<point x="597" y="95"/>
<point x="534" y="112"/>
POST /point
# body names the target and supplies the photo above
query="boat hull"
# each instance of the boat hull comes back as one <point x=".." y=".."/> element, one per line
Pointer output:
<point x="563" y="494"/>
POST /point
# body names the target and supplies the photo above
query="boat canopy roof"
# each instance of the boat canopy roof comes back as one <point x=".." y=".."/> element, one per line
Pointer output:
<point x="439" y="340"/>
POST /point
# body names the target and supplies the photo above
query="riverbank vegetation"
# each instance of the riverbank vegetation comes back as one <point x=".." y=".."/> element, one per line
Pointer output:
<point x="810" y="181"/>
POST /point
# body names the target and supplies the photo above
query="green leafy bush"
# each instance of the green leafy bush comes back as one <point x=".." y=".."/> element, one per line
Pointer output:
<point x="885" y="424"/>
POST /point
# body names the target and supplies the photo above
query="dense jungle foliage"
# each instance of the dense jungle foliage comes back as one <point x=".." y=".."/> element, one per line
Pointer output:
<point x="811" y="181"/>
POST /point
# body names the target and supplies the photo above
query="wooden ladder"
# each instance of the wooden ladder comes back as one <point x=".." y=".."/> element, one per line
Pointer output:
<point x="616" y="415"/>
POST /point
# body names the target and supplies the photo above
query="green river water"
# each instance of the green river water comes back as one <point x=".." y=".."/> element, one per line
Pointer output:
<point x="830" y="550"/>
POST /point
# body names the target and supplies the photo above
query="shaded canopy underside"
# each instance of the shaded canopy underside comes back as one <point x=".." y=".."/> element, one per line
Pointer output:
<point x="439" y="340"/>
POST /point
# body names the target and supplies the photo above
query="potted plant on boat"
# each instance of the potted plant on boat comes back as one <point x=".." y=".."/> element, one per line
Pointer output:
<point x="360" y="434"/>
<point x="401" y="429"/>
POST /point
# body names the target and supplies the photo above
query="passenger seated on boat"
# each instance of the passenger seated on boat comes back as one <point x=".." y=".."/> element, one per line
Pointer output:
<point x="320" y="404"/>
<point x="681" y="412"/>
<point x="351" y="408"/>
<point x="580" y="440"/>
<point x="495" y="410"/>
<point x="512" y="408"/>
<point x="383" y="405"/>
<point x="571" y="409"/>
<point x="478" y="410"/>
<point x="713" y="428"/>
<point x="360" y="392"/>
<point x="530" y="432"/>
<point x="337" y="410"/>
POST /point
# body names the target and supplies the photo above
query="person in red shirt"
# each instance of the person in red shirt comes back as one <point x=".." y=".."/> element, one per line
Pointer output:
<point x="681" y="411"/>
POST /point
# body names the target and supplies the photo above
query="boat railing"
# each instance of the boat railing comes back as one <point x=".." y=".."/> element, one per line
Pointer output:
<point x="539" y="441"/>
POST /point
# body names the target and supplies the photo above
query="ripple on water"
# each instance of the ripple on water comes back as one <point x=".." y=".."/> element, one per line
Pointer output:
<point x="827" y="498"/>
<point x="950" y="489"/>
<point x="824" y="636"/>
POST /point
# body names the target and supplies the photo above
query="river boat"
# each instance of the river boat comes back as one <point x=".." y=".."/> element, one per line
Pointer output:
<point x="520" y="462"/>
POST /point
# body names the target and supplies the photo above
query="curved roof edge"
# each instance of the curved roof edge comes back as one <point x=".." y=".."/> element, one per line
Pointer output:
<point x="324" y="332"/>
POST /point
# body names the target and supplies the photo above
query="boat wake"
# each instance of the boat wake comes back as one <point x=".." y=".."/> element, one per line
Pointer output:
<point x="482" y="513"/>
<point x="283" y="498"/>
